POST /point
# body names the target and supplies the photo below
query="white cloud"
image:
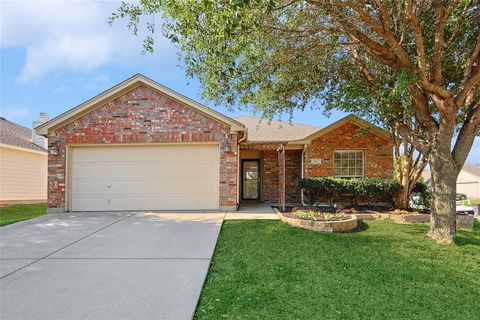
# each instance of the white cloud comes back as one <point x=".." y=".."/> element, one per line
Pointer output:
<point x="72" y="36"/>
<point x="72" y="52"/>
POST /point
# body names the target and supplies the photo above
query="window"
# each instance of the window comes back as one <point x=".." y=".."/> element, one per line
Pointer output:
<point x="349" y="163"/>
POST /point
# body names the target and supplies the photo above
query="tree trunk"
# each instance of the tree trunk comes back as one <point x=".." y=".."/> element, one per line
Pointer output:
<point x="402" y="197"/>
<point x="443" y="212"/>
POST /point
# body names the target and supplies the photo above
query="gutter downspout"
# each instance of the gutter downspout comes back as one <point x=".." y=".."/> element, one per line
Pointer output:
<point x="302" y="173"/>
<point x="238" y="167"/>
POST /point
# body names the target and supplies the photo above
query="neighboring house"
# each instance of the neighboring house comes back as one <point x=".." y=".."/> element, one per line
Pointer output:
<point x="142" y="146"/>
<point x="468" y="181"/>
<point x="23" y="164"/>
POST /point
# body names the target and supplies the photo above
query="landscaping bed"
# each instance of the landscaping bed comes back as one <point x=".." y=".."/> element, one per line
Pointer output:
<point x="366" y="213"/>
<point x="316" y="219"/>
<point x="357" y="210"/>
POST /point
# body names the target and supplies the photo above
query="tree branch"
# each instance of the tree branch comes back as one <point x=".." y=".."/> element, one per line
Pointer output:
<point x="417" y="30"/>
<point x="471" y="83"/>
<point x="386" y="33"/>
<point x="417" y="141"/>
<point x="471" y="60"/>
<point x="441" y="14"/>
<point x="466" y="136"/>
<point x="366" y="73"/>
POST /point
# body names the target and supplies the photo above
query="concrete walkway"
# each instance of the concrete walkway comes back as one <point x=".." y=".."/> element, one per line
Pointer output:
<point x="253" y="211"/>
<point x="106" y="265"/>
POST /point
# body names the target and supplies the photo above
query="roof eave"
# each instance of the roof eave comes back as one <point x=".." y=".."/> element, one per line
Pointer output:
<point x="9" y="146"/>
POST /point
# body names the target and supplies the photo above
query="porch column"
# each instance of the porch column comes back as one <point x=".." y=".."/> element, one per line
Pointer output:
<point x="281" y="176"/>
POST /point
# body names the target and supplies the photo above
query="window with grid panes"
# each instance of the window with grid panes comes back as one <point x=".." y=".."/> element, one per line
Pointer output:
<point x="349" y="163"/>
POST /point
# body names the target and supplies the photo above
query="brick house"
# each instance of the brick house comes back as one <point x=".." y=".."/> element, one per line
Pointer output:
<point x="142" y="146"/>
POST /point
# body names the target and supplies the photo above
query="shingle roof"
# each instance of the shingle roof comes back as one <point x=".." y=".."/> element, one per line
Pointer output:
<point x="475" y="170"/>
<point x="275" y="131"/>
<point x="16" y="135"/>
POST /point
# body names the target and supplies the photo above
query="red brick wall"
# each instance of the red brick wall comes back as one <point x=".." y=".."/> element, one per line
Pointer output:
<point x="293" y="170"/>
<point x="142" y="115"/>
<point x="378" y="155"/>
<point x="270" y="176"/>
<point x="271" y="188"/>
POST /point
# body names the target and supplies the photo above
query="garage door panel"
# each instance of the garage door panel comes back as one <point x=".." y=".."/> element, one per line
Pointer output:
<point x="137" y="169"/>
<point x="161" y="178"/>
<point x="146" y="203"/>
<point x="138" y="187"/>
<point x="103" y="154"/>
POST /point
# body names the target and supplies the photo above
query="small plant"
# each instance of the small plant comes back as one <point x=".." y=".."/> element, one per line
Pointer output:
<point x="305" y="215"/>
<point x="329" y="216"/>
<point x="338" y="207"/>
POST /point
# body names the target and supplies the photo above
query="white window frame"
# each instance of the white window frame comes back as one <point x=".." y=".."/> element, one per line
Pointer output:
<point x="349" y="175"/>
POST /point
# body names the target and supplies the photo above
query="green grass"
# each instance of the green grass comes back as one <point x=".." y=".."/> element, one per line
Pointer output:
<point x="268" y="270"/>
<point x="469" y="201"/>
<point x="20" y="212"/>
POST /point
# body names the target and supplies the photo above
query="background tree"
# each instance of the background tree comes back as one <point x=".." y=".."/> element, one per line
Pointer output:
<point x="418" y="60"/>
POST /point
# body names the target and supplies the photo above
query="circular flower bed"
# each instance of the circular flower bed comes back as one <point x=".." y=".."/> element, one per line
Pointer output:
<point x="314" y="219"/>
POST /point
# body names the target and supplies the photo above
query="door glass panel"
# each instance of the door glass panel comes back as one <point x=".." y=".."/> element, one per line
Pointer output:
<point x="251" y="180"/>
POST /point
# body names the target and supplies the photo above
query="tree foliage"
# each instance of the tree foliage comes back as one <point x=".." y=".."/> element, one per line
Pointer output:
<point x="411" y="65"/>
<point x="359" y="56"/>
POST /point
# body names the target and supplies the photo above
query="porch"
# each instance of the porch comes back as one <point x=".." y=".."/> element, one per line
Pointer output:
<point x="267" y="175"/>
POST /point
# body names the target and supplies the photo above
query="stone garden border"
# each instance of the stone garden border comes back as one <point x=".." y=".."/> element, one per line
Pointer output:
<point x="463" y="221"/>
<point x="321" y="226"/>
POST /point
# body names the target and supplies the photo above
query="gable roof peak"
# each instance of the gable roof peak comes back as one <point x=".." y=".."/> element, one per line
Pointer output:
<point x="351" y="118"/>
<point x="123" y="87"/>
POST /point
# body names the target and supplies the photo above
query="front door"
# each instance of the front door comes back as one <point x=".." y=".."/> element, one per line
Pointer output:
<point x="250" y="179"/>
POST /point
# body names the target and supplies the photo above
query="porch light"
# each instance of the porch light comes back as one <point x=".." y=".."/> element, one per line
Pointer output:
<point x="226" y="145"/>
<point x="54" y="150"/>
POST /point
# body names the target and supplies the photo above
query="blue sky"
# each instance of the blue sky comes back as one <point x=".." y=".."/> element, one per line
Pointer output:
<point x="55" y="55"/>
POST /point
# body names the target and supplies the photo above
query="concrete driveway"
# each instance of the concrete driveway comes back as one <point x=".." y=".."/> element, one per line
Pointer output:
<point x="105" y="265"/>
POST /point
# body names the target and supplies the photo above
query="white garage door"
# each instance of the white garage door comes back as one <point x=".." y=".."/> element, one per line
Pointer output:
<point x="145" y="178"/>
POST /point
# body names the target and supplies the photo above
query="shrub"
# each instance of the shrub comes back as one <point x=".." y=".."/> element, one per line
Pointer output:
<point x="331" y="188"/>
<point x="421" y="196"/>
<point x="312" y="189"/>
<point x="375" y="187"/>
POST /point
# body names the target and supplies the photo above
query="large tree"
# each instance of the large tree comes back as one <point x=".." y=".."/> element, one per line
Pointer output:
<point x="415" y="64"/>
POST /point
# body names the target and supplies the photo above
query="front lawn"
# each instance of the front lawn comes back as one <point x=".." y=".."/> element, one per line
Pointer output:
<point x="20" y="212"/>
<point x="469" y="202"/>
<point x="268" y="270"/>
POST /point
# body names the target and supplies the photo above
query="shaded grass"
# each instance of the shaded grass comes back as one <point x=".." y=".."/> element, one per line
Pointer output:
<point x="268" y="270"/>
<point x="20" y="212"/>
